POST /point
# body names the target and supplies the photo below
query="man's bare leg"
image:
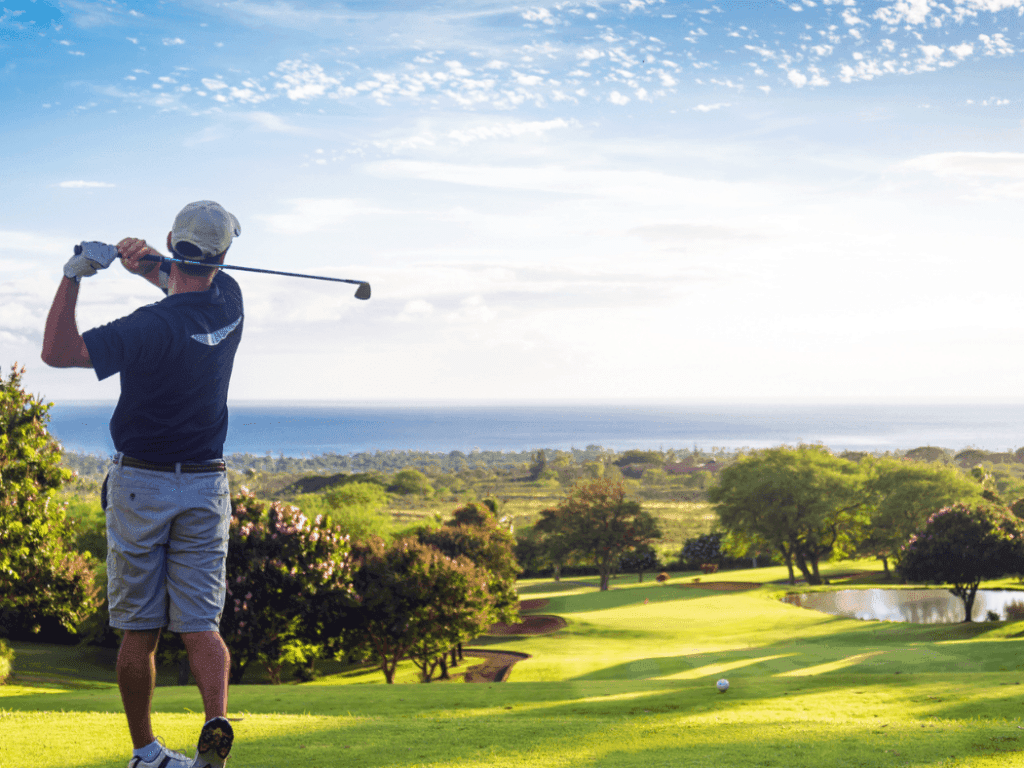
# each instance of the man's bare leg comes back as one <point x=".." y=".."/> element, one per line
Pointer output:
<point x="211" y="665"/>
<point x="136" y="678"/>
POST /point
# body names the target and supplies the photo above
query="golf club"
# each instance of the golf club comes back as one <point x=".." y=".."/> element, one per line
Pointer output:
<point x="362" y="292"/>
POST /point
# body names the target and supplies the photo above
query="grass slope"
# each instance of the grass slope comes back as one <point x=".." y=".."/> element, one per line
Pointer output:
<point x="629" y="682"/>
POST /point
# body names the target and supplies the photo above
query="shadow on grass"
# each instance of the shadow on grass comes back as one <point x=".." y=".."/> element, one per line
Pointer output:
<point x="867" y="648"/>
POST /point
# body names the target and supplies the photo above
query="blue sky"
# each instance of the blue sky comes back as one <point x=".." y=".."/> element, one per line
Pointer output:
<point x="607" y="201"/>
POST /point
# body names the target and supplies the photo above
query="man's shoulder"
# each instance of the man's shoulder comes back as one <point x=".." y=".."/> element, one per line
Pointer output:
<point x="227" y="285"/>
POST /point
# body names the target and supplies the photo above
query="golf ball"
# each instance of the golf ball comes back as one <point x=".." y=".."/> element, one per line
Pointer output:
<point x="722" y="685"/>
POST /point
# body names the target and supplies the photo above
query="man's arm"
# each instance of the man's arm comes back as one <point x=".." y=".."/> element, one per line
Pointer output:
<point x="132" y="250"/>
<point x="63" y="346"/>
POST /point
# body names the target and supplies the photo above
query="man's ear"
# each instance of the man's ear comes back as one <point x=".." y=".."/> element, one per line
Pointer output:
<point x="169" y="246"/>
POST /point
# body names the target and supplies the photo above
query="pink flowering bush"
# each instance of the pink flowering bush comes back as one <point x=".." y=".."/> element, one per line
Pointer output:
<point x="43" y="581"/>
<point x="963" y="545"/>
<point x="289" y="586"/>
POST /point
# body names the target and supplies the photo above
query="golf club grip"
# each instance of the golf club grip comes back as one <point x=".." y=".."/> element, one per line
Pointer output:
<point x="254" y="269"/>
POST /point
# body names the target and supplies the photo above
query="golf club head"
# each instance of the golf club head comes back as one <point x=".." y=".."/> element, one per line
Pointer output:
<point x="363" y="291"/>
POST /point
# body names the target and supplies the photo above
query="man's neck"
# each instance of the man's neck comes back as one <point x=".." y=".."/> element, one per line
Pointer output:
<point x="179" y="282"/>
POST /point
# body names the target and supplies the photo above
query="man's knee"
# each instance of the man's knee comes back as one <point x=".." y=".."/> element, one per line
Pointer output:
<point x="146" y="639"/>
<point x="200" y="642"/>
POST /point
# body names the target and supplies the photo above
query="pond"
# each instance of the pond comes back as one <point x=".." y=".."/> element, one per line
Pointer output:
<point x="918" y="606"/>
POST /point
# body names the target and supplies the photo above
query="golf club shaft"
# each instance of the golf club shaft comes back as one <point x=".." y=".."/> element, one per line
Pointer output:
<point x="254" y="269"/>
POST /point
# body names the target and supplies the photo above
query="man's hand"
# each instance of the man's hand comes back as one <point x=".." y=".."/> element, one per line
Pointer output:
<point x="89" y="257"/>
<point x="132" y="251"/>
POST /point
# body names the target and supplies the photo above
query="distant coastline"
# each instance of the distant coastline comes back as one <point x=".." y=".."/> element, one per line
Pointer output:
<point x="303" y="429"/>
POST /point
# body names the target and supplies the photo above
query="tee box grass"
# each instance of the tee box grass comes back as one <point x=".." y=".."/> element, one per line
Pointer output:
<point x="630" y="681"/>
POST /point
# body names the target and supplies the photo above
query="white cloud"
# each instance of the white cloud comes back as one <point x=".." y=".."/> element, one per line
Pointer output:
<point x="173" y="41"/>
<point x="962" y="51"/>
<point x="311" y="215"/>
<point x="302" y="81"/>
<point x="797" y="78"/>
<point x="32" y="242"/>
<point x="506" y="130"/>
<point x="711" y="107"/>
<point x="908" y="11"/>
<point x="542" y="15"/>
<point x="996" y="45"/>
<point x="84" y="184"/>
<point x="617" y="98"/>
<point x="971" y="164"/>
<point x="415" y="311"/>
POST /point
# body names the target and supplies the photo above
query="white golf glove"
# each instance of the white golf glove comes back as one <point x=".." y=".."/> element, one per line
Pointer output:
<point x="89" y="257"/>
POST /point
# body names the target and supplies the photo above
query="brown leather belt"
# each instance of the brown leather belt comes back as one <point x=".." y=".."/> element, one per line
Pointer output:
<point x="214" y="466"/>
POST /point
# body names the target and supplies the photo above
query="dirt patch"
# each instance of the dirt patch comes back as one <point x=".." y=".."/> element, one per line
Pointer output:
<point x="720" y="586"/>
<point x="496" y="666"/>
<point x="533" y="605"/>
<point x="530" y="625"/>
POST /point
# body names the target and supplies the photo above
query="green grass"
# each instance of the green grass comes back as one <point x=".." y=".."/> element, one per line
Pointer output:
<point x="629" y="682"/>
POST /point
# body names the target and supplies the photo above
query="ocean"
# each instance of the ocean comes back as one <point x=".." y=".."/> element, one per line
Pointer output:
<point x="313" y="429"/>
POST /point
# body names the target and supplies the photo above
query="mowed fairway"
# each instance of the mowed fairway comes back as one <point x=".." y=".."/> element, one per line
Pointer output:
<point x="628" y="682"/>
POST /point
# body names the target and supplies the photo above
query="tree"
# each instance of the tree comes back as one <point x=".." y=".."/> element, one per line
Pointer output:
<point x="357" y="508"/>
<point x="706" y="548"/>
<point x="414" y="601"/>
<point x="538" y="466"/>
<point x="963" y="545"/>
<point x="554" y="543"/>
<point x="289" y="586"/>
<point x="803" y="502"/>
<point x="489" y="546"/>
<point x="638" y="560"/>
<point x="410" y="482"/>
<point x="596" y="522"/>
<point x="927" y="453"/>
<point x="481" y="513"/>
<point x="41" y="577"/>
<point x="901" y="495"/>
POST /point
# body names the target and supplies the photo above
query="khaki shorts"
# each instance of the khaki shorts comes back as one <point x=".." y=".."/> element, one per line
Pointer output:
<point x="167" y="544"/>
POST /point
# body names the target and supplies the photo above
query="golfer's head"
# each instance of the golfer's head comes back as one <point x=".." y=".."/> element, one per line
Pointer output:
<point x="202" y="232"/>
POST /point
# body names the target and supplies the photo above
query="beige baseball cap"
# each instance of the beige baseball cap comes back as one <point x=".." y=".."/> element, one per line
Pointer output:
<point x="207" y="226"/>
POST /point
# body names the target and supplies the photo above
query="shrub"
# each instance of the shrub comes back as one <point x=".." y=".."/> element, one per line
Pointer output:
<point x="6" y="661"/>
<point x="1015" y="611"/>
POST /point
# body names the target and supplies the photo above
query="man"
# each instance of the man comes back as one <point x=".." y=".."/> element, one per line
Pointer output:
<point x="166" y="495"/>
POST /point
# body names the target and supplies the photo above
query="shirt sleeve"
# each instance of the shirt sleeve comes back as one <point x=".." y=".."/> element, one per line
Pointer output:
<point x="138" y="339"/>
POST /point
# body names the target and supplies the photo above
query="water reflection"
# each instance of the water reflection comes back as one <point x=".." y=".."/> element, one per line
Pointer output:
<point x="918" y="606"/>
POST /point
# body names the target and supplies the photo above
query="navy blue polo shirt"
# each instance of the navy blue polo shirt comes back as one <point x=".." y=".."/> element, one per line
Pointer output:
<point x="175" y="359"/>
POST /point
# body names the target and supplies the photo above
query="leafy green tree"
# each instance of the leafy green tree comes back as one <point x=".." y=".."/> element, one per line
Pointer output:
<point x="480" y="513"/>
<point x="289" y="586"/>
<point x="901" y="495"/>
<point x="804" y="502"/>
<point x="653" y="458"/>
<point x="554" y="542"/>
<point x="643" y="558"/>
<point x="538" y="466"/>
<point x="706" y="548"/>
<point x="358" y="509"/>
<point x="963" y="545"/>
<point x="410" y="482"/>
<point x="414" y="601"/>
<point x="42" y="578"/>
<point x="927" y="453"/>
<point x="597" y="522"/>
<point x="491" y="547"/>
